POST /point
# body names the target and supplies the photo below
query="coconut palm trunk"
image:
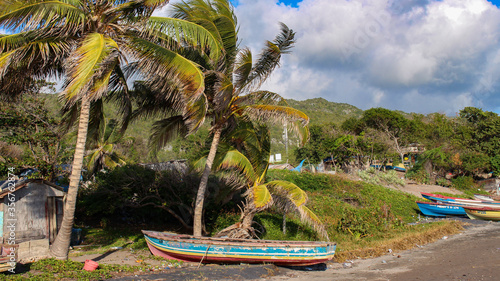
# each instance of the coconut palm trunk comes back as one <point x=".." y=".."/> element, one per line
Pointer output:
<point x="59" y="248"/>
<point x="200" y="197"/>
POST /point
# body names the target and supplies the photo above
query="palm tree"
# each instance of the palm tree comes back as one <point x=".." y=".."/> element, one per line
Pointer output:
<point x="247" y="150"/>
<point x="88" y="42"/>
<point x="232" y="83"/>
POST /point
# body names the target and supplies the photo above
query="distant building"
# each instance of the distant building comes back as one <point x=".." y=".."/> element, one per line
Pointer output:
<point x="180" y="166"/>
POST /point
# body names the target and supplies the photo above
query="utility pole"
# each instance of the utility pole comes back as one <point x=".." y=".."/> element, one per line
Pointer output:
<point x="285" y="138"/>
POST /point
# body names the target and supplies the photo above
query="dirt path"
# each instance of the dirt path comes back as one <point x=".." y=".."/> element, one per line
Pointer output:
<point x="471" y="255"/>
<point x="415" y="189"/>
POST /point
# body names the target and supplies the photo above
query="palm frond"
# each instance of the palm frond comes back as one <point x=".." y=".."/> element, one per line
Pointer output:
<point x="262" y="97"/>
<point x="310" y="218"/>
<point x="186" y="32"/>
<point x="166" y="130"/>
<point x="85" y="67"/>
<point x="276" y="114"/>
<point x="157" y="61"/>
<point x="28" y="50"/>
<point x="270" y="57"/>
<point x="195" y="113"/>
<point x="235" y="159"/>
<point x="199" y="164"/>
<point x="35" y="14"/>
<point x="242" y="68"/>
<point x="261" y="196"/>
<point x="288" y="190"/>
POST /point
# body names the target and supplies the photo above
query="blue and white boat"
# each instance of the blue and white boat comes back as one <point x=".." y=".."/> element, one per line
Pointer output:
<point x="436" y="209"/>
<point x="225" y="250"/>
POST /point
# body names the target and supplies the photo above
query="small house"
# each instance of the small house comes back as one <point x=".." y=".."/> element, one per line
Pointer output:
<point x="30" y="215"/>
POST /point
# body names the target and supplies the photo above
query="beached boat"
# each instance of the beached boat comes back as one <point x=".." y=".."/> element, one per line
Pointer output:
<point x="224" y="250"/>
<point x="482" y="213"/>
<point x="438" y="209"/>
<point x="460" y="201"/>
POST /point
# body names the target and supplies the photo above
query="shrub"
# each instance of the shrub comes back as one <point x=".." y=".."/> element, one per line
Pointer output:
<point x="419" y="175"/>
<point x="443" y="182"/>
<point x="495" y="165"/>
<point x="463" y="183"/>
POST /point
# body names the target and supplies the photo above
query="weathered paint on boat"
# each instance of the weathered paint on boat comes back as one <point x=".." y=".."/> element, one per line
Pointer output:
<point x="490" y="214"/>
<point x="221" y="250"/>
<point x="437" y="209"/>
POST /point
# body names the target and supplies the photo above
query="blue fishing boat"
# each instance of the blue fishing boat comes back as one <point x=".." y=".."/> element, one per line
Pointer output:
<point x="225" y="250"/>
<point x="436" y="209"/>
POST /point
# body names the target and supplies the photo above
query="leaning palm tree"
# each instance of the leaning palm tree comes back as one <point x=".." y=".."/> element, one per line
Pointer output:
<point x="88" y="42"/>
<point x="244" y="158"/>
<point x="231" y="83"/>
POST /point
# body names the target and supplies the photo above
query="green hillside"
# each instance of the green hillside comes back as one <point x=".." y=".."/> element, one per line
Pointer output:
<point x="321" y="111"/>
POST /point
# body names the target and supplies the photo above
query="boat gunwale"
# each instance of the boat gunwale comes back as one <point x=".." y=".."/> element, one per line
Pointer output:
<point x="477" y="208"/>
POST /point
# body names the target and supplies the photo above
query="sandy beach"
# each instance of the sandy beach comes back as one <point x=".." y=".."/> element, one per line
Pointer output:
<point x="473" y="254"/>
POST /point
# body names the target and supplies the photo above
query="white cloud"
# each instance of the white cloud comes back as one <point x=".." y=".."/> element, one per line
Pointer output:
<point x="412" y="55"/>
<point x="420" y="56"/>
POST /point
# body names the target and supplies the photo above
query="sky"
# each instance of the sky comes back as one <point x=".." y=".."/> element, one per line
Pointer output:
<point x="420" y="56"/>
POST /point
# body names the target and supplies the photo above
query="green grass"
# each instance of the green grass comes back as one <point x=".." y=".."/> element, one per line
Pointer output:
<point x="52" y="269"/>
<point x="101" y="240"/>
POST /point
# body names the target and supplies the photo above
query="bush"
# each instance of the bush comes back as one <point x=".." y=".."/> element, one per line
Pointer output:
<point x="373" y="176"/>
<point x="463" y="183"/>
<point x="443" y="182"/>
<point x="419" y="175"/>
<point x="495" y="165"/>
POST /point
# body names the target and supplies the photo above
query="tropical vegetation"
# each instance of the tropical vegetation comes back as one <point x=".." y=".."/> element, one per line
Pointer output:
<point x="89" y="43"/>
<point x="231" y="86"/>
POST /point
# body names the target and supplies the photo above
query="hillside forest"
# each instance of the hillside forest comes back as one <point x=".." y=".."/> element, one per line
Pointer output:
<point x="435" y="148"/>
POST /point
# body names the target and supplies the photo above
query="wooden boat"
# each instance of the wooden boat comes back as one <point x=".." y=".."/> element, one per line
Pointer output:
<point x="460" y="201"/>
<point x="438" y="209"/>
<point x="222" y="250"/>
<point x="482" y="213"/>
<point x="483" y="197"/>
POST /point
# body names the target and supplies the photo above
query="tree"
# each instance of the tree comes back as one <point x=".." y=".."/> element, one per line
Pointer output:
<point x="231" y="87"/>
<point x="247" y="149"/>
<point x="393" y="124"/>
<point x="28" y="124"/>
<point x="480" y="131"/>
<point x="89" y="42"/>
<point x="232" y="82"/>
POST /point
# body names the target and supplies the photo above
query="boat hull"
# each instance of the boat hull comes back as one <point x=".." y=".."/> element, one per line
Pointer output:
<point x="439" y="209"/>
<point x="218" y="250"/>
<point x="483" y="214"/>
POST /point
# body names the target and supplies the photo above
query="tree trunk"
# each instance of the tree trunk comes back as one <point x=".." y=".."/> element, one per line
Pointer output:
<point x="60" y="247"/>
<point x="200" y="197"/>
<point x="247" y="219"/>
<point x="284" y="223"/>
